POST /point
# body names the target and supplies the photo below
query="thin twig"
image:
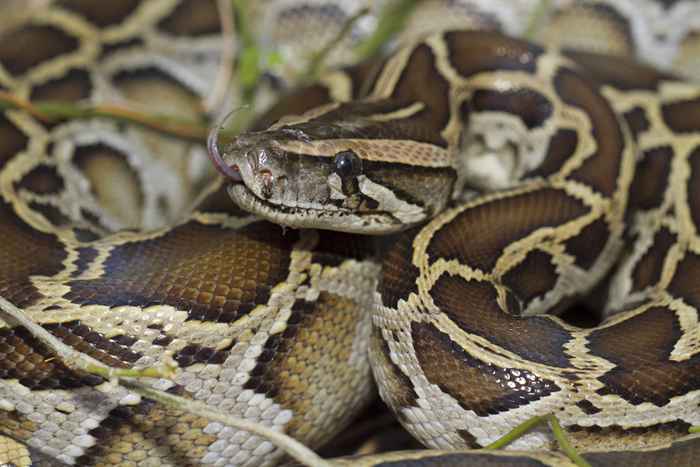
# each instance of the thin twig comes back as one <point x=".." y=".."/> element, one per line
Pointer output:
<point x="52" y="111"/>
<point x="291" y="446"/>
<point x="516" y="432"/>
<point x="68" y="355"/>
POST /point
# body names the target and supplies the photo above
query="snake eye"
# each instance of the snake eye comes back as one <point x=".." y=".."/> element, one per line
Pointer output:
<point x="347" y="164"/>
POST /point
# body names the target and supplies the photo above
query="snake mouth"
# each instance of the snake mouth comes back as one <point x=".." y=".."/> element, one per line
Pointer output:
<point x="304" y="217"/>
<point x="231" y="172"/>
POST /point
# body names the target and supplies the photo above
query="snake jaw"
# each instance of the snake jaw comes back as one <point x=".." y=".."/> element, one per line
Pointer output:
<point x="231" y="172"/>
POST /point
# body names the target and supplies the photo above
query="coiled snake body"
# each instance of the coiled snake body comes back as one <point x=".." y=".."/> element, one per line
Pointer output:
<point x="547" y="173"/>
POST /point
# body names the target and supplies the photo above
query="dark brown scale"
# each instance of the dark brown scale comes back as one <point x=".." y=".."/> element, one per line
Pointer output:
<point x="486" y="389"/>
<point x="402" y="393"/>
<point x="192" y="18"/>
<point x="43" y="179"/>
<point x="144" y="427"/>
<point x="641" y="347"/>
<point x="477" y="236"/>
<point x="75" y="85"/>
<point x="647" y="271"/>
<point x="27" y="253"/>
<point x="13" y="140"/>
<point x="538" y="339"/>
<point x="399" y="275"/>
<point x="533" y="277"/>
<point x="411" y="88"/>
<point x="220" y="276"/>
<point x="620" y="72"/>
<point x="682" y="116"/>
<point x="33" y="365"/>
<point x="694" y="187"/>
<point x="588" y="244"/>
<point x="601" y="169"/>
<point x="532" y="107"/>
<point x="473" y="52"/>
<point x="19" y="50"/>
<point x="100" y="13"/>
<point x="651" y="178"/>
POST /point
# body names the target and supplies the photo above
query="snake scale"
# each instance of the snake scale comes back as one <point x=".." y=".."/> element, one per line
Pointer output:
<point x="544" y="173"/>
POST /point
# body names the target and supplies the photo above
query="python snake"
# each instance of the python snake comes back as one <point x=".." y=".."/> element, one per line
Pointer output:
<point x="558" y="177"/>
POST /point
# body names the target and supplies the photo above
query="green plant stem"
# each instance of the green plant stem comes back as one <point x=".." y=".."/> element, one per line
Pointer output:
<point x="317" y="60"/>
<point x="564" y="444"/>
<point x="517" y="432"/>
<point x="391" y="21"/>
<point x="536" y="18"/>
<point x="557" y="431"/>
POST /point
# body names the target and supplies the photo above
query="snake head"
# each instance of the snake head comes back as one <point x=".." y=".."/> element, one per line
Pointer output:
<point x="324" y="174"/>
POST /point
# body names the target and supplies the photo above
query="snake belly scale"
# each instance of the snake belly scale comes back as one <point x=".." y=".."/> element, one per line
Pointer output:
<point x="543" y="174"/>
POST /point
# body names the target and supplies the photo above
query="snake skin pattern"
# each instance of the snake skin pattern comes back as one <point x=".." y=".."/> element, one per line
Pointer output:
<point x="103" y="250"/>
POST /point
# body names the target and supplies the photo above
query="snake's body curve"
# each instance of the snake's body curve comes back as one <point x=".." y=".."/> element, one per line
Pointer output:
<point x="272" y="325"/>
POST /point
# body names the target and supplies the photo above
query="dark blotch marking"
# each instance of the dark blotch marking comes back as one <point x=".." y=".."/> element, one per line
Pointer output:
<point x="411" y="87"/>
<point x="651" y="178"/>
<point x="126" y="77"/>
<point x="194" y="353"/>
<point x="474" y="308"/>
<point x="685" y="283"/>
<point x="693" y="185"/>
<point x="295" y="102"/>
<point x="637" y="121"/>
<point x="192" y="18"/>
<point x="26" y="253"/>
<point x="335" y="247"/>
<point x="682" y="116"/>
<point x="101" y="13"/>
<point x="112" y="351"/>
<point x="221" y="275"/>
<point x="587" y="246"/>
<point x="533" y="277"/>
<point x="587" y="407"/>
<point x="43" y="180"/>
<point x="531" y="106"/>
<point x="399" y="275"/>
<point x="477" y="236"/>
<point x="601" y="169"/>
<point x="478" y="386"/>
<point x="86" y="256"/>
<point x="400" y="386"/>
<point x="25" y="358"/>
<point x="22" y="49"/>
<point x="474" y="52"/>
<point x="177" y="435"/>
<point x="561" y="147"/>
<point x="72" y="86"/>
<point x="620" y="72"/>
<point x="647" y="271"/>
<point x="641" y="347"/>
<point x="12" y="140"/>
